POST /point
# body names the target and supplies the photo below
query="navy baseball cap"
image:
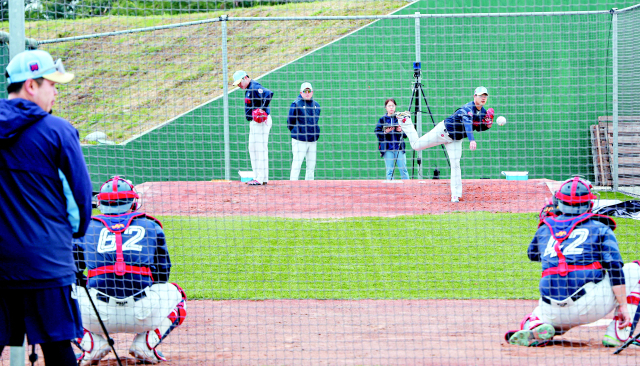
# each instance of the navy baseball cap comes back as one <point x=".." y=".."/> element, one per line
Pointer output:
<point x="36" y="64"/>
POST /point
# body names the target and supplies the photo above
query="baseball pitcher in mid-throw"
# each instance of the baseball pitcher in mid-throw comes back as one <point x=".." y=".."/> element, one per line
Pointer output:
<point x="450" y="132"/>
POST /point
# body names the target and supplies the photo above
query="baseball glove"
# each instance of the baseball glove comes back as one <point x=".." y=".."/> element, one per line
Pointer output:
<point x="259" y="115"/>
<point x="486" y="122"/>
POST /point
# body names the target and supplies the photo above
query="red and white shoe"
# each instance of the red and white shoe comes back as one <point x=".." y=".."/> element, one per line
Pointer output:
<point x="94" y="348"/>
<point x="144" y="349"/>
<point x="253" y="182"/>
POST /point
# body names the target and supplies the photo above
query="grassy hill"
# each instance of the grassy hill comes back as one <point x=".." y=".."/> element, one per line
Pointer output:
<point x="130" y="83"/>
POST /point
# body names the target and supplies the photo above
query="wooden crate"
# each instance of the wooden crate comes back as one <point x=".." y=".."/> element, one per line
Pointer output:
<point x="628" y="150"/>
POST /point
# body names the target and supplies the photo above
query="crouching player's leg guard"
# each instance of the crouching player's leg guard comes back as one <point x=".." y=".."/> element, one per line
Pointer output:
<point x="144" y="344"/>
<point x="533" y="333"/>
<point x="94" y="347"/>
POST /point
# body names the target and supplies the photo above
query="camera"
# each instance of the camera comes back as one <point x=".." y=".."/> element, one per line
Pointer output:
<point x="417" y="66"/>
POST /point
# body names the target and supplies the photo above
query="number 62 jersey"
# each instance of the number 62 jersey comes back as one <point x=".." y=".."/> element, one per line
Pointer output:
<point x="123" y="254"/>
<point x="575" y="250"/>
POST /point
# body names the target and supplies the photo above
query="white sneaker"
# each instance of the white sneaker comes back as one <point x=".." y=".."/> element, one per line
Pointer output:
<point x="615" y="337"/>
<point x="455" y="199"/>
<point x="94" y="348"/>
<point x="404" y="120"/>
<point x="143" y="348"/>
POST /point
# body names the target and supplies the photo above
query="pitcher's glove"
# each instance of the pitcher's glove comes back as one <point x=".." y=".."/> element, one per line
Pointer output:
<point x="486" y="122"/>
<point x="259" y="115"/>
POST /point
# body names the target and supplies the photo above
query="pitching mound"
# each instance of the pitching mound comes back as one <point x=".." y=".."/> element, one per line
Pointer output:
<point x="340" y="198"/>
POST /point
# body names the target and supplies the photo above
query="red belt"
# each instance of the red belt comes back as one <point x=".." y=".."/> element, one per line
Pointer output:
<point x="120" y="271"/>
<point x="570" y="268"/>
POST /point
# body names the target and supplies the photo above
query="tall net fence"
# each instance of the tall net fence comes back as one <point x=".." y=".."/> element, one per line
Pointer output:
<point x="360" y="264"/>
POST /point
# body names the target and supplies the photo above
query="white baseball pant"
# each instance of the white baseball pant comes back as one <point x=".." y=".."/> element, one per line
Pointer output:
<point x="127" y="315"/>
<point x="259" y="149"/>
<point x="302" y="149"/>
<point x="598" y="301"/>
<point x="439" y="136"/>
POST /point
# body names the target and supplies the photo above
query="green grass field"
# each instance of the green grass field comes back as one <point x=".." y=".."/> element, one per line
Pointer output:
<point x="454" y="256"/>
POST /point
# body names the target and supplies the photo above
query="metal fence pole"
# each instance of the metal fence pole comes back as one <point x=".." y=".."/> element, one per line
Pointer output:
<point x="614" y="42"/>
<point x="16" y="45"/>
<point x="419" y="116"/>
<point x="16" y="27"/>
<point x="225" y="99"/>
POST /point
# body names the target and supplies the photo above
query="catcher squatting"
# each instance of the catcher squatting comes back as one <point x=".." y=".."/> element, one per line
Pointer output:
<point x="583" y="276"/>
<point x="128" y="265"/>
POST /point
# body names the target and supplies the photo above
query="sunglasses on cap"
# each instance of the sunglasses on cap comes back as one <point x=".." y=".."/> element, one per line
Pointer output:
<point x="58" y="66"/>
<point x="307" y="91"/>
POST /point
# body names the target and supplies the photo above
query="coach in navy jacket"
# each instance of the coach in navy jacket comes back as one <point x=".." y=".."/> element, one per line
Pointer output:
<point x="45" y="200"/>
<point x="305" y="132"/>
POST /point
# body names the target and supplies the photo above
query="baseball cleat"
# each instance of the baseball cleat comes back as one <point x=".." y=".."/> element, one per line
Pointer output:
<point x="609" y="341"/>
<point x="455" y="199"/>
<point x="94" y="348"/>
<point x="141" y="350"/>
<point x="254" y="183"/>
<point x="534" y="337"/>
<point x="264" y="183"/>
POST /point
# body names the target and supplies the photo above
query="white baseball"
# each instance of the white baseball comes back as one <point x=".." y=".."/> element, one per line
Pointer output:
<point x="501" y="121"/>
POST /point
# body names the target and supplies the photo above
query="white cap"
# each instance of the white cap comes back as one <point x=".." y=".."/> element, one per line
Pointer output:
<point x="481" y="90"/>
<point x="305" y="86"/>
<point x="238" y="76"/>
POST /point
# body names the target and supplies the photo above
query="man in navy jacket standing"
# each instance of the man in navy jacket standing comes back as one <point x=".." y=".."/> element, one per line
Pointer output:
<point x="45" y="200"/>
<point x="305" y="132"/>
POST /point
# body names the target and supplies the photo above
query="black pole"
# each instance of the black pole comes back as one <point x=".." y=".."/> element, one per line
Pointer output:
<point x="104" y="328"/>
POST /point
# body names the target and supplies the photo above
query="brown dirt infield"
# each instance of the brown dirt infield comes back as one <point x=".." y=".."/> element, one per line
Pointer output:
<point x="347" y="198"/>
<point x="367" y="332"/>
<point x="358" y="332"/>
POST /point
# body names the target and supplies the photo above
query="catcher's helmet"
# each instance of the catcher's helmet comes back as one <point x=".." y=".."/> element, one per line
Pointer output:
<point x="117" y="196"/>
<point x="575" y="197"/>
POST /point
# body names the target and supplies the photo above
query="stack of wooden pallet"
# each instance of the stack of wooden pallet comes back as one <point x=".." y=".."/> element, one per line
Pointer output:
<point x="628" y="150"/>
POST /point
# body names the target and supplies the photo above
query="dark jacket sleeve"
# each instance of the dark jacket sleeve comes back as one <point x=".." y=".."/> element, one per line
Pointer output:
<point x="533" y="252"/>
<point x="293" y="115"/>
<point x="72" y="164"/>
<point x="468" y="124"/>
<point x="163" y="262"/>
<point x="380" y="130"/>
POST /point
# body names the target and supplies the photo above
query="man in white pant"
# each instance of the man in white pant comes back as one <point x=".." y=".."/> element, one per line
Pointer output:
<point x="258" y="113"/>
<point x="305" y="132"/>
<point x="450" y="132"/>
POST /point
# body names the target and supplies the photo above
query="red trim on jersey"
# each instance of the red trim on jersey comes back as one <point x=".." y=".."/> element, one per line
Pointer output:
<point x="633" y="300"/>
<point x="125" y="269"/>
<point x="563" y="270"/>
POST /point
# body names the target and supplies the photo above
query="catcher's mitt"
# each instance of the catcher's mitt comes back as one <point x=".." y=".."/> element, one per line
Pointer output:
<point x="549" y="210"/>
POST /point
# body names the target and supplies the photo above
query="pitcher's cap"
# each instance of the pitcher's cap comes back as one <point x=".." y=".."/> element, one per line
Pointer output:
<point x="481" y="90"/>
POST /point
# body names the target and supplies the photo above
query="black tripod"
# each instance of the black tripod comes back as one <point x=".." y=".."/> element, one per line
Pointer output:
<point x="415" y="97"/>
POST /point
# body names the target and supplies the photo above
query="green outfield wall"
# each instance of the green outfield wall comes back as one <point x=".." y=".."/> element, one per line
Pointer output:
<point x="550" y="76"/>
